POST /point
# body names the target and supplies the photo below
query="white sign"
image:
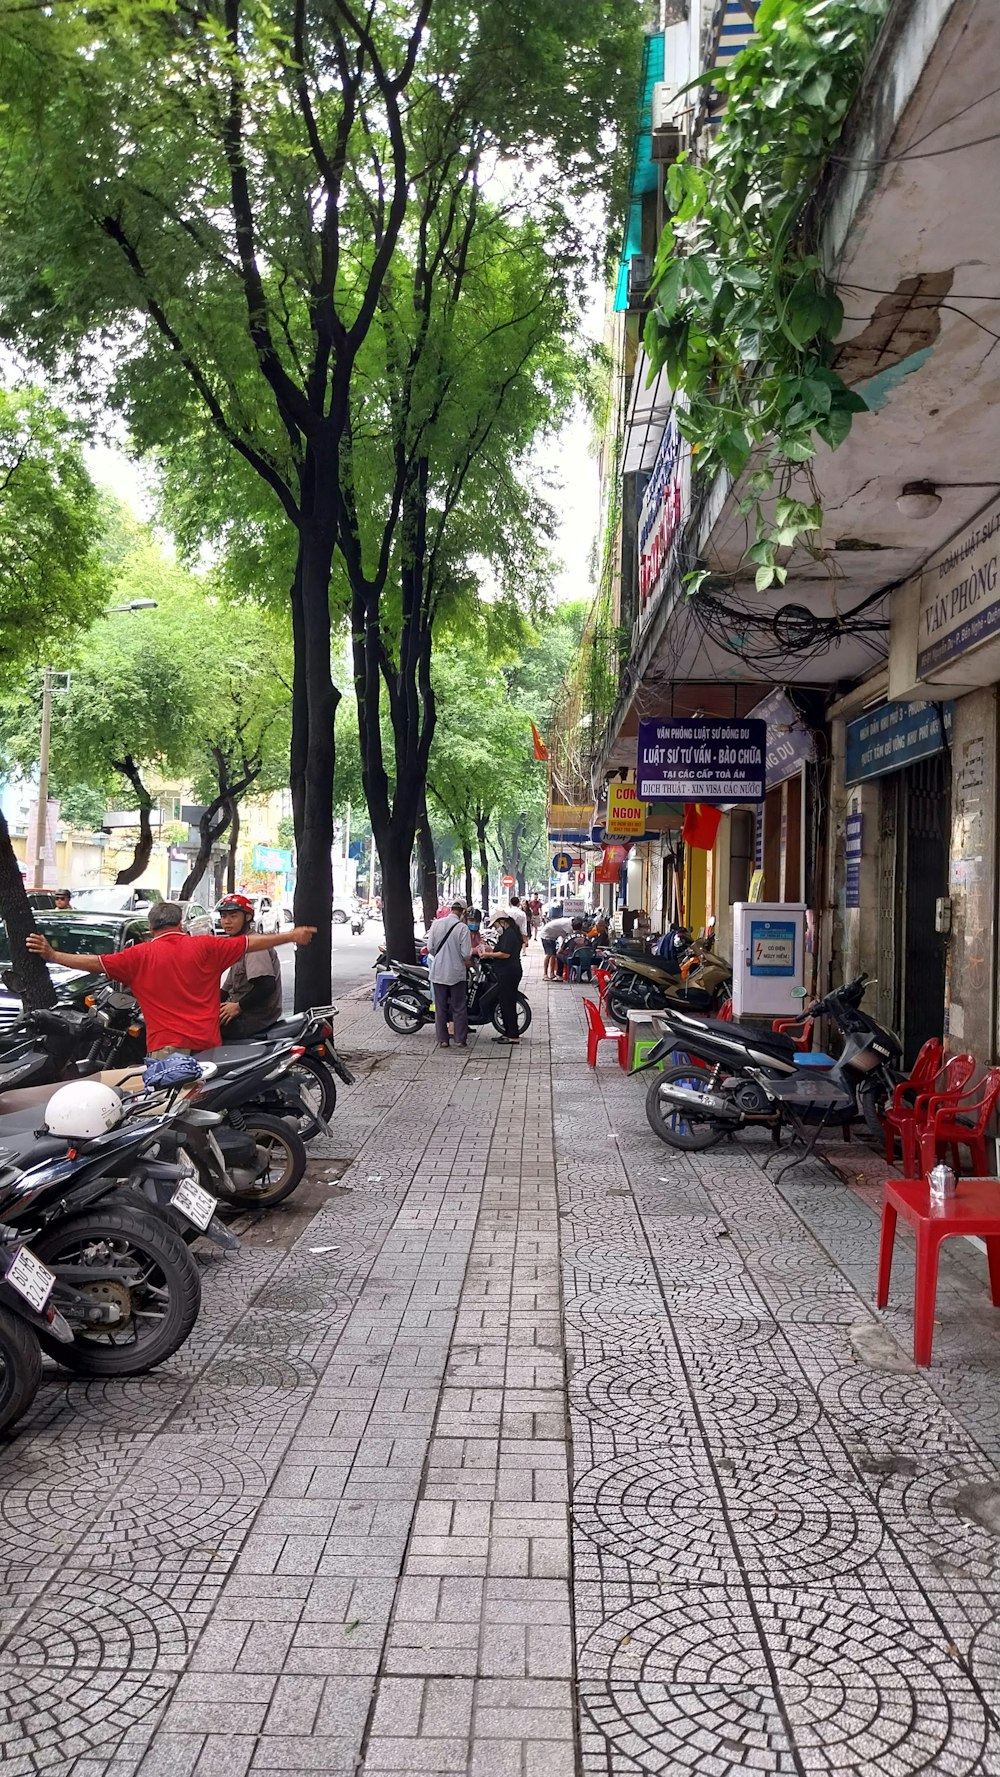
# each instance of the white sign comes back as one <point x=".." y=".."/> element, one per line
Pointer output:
<point x="960" y="595"/>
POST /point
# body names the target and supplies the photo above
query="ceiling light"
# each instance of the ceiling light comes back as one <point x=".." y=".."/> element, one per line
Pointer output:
<point x="918" y="499"/>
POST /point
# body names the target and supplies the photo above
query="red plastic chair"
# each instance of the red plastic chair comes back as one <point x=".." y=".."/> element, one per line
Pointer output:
<point x="598" y="1032"/>
<point x="945" y="1125"/>
<point x="602" y="977"/>
<point x="923" y="1073"/>
<point x="957" y="1073"/>
<point x="800" y="1031"/>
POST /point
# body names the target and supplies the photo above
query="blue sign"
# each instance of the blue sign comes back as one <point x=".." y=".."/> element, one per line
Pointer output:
<point x="772" y="947"/>
<point x="562" y="863"/>
<point x="272" y="857"/>
<point x="895" y="735"/>
<point x="701" y="759"/>
<point x="852" y="853"/>
<point x="791" y="742"/>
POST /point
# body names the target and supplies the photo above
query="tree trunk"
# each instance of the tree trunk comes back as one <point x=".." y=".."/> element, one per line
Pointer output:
<point x="29" y="976"/>
<point x="314" y="709"/>
<point x="234" y="840"/>
<point x="428" y="865"/>
<point x="397" y="901"/>
<point x="144" y="845"/>
<point x="209" y="831"/>
<point x="484" y="862"/>
<point x="467" y="861"/>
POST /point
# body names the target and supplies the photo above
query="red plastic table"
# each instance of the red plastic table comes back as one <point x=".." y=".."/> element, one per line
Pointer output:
<point x="974" y="1209"/>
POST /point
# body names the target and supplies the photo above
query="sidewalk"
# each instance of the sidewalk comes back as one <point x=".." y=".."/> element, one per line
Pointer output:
<point x="333" y="1534"/>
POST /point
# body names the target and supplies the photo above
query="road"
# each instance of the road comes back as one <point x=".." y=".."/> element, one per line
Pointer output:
<point x="352" y="961"/>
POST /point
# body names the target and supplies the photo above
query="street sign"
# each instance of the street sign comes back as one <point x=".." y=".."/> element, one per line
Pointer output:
<point x="508" y="881"/>
<point x="701" y="759"/>
<point x="562" y="862"/>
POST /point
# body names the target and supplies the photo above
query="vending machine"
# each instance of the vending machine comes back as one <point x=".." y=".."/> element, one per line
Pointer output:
<point x="769" y="958"/>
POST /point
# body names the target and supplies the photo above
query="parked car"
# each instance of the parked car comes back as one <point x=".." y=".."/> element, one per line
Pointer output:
<point x="267" y="914"/>
<point x="115" y="897"/>
<point x="125" y="899"/>
<point x="92" y="934"/>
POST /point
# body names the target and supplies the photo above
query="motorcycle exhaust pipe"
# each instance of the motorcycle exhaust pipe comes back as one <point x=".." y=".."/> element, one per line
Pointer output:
<point x="686" y="1099"/>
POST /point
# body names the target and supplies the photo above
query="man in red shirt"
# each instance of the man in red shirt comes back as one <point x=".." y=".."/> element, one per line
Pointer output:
<point x="174" y="977"/>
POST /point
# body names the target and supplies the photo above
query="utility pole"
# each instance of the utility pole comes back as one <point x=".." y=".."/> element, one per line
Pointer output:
<point x="41" y="812"/>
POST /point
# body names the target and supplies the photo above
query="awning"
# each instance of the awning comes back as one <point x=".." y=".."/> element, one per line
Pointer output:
<point x="643" y="173"/>
<point x="648" y="412"/>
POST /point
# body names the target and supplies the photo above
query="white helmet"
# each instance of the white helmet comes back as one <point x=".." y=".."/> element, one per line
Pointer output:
<point x="83" y="1110"/>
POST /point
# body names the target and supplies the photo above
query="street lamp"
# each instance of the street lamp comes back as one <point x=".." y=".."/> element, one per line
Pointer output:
<point x="41" y="811"/>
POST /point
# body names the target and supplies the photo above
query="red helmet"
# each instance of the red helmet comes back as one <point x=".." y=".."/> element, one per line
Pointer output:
<point x="235" y="904"/>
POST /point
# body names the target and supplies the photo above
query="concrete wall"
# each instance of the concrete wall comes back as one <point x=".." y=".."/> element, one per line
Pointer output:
<point x="972" y="958"/>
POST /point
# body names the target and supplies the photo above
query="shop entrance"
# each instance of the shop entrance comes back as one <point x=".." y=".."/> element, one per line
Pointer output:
<point x="912" y="874"/>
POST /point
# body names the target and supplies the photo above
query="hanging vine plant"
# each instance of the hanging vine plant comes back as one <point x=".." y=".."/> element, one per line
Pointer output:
<point x="744" y="317"/>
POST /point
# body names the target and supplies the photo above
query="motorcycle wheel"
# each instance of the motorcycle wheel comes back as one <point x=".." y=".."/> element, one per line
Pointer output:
<point x="20" y="1369"/>
<point x="523" y="1016"/>
<point x="161" y="1309"/>
<point x="318" y="1090"/>
<point x="673" y="1125"/>
<point x="286" y="1161"/>
<point x="403" y="1014"/>
<point x="870" y="1103"/>
<point x="619" y="1006"/>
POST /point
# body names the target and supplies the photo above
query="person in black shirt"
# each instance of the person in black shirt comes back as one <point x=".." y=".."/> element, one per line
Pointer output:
<point x="506" y="960"/>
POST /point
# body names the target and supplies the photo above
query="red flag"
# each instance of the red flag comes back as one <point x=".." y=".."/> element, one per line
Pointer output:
<point x="701" y="825"/>
<point x="541" y="750"/>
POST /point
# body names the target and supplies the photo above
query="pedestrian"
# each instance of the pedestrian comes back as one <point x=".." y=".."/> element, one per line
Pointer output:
<point x="449" y="952"/>
<point x="519" y="917"/>
<point x="505" y="958"/>
<point x="175" y="977"/>
<point x="535" y="910"/>
<point x="552" y="934"/>
<point x="251" y="991"/>
<point x="474" y="921"/>
<point x="64" y="901"/>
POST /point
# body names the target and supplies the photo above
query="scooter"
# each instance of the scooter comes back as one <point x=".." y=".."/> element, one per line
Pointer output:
<point x="699" y="984"/>
<point x="743" y="1075"/>
<point x="409" y="1002"/>
<point x="357" y="924"/>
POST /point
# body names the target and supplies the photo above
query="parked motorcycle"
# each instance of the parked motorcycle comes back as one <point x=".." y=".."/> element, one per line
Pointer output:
<point x="125" y="1281"/>
<point x="409" y="1003"/>
<point x="644" y="986"/>
<point x="733" y="1075"/>
<point x="25" y="1310"/>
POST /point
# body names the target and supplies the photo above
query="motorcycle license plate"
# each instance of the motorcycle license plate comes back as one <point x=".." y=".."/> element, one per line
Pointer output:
<point x="30" y="1278"/>
<point x="198" y="1205"/>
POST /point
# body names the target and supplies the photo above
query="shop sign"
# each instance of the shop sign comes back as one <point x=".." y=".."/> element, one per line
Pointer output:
<point x="852" y="854"/>
<point x="791" y="743"/>
<point x="894" y="735"/>
<point x="772" y="947"/>
<point x="663" y="510"/>
<point x="272" y="857"/>
<point x="626" y="814"/>
<point x="701" y="759"/>
<point x="570" y="820"/>
<point x="960" y="595"/>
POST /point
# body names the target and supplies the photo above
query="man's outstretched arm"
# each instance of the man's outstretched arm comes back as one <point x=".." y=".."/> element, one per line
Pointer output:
<point x="268" y="940"/>
<point x="91" y="965"/>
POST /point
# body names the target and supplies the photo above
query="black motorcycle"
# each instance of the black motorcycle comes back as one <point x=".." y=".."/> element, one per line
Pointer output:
<point x="26" y="1287"/>
<point x="125" y="1281"/>
<point x="729" y="1075"/>
<point x="409" y="1003"/>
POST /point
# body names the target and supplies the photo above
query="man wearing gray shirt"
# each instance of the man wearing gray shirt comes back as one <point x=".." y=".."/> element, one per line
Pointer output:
<point x="449" y="952"/>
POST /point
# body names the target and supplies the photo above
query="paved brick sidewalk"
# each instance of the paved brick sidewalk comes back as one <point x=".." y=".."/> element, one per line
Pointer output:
<point x="334" y="1534"/>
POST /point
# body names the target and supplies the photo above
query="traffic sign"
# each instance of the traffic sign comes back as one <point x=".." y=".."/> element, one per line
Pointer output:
<point x="562" y="863"/>
<point x="508" y="881"/>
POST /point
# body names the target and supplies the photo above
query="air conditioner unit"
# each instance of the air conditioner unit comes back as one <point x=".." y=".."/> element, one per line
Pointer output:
<point x="640" y="270"/>
<point x="667" y="122"/>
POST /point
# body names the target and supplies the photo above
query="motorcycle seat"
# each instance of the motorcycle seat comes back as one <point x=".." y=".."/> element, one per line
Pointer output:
<point x="26" y="1146"/>
<point x="231" y="1056"/>
<point x="773" y="1040"/>
<point x="283" y="1029"/>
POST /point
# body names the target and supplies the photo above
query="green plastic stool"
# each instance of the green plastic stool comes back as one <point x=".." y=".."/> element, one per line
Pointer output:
<point x="643" y="1045"/>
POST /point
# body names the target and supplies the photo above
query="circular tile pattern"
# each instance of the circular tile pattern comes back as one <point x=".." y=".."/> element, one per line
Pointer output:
<point x="631" y="1398"/>
<point x="880" y="1408"/>
<point x="609" y="1260"/>
<point x="87" y="1662"/>
<point x="613" y="1314"/>
<point x="675" y="1681"/>
<point x="663" y="1513"/>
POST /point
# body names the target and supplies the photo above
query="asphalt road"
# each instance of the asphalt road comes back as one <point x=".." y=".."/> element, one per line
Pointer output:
<point x="352" y="961"/>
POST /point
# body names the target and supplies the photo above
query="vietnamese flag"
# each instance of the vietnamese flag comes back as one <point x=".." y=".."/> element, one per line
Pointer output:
<point x="701" y="825"/>
<point x="541" y="750"/>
